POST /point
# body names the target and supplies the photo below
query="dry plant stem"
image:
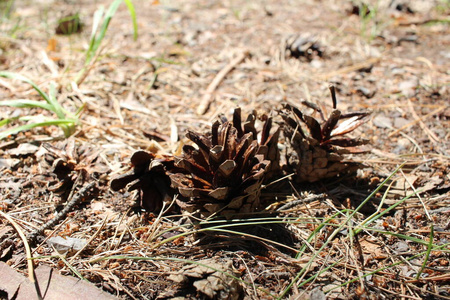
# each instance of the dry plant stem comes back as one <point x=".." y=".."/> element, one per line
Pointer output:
<point x="418" y="196"/>
<point x="333" y="95"/>
<point x="49" y="236"/>
<point x="348" y="69"/>
<point x="356" y="247"/>
<point x="89" y="241"/>
<point x="433" y="138"/>
<point x="155" y="226"/>
<point x="25" y="243"/>
<point x="417" y="120"/>
<point x="87" y="69"/>
<point x="77" y="198"/>
<point x="207" y="98"/>
<point x="255" y="292"/>
<point x="111" y="245"/>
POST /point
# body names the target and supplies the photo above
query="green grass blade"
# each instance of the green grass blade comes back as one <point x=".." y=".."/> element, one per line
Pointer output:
<point x="317" y="229"/>
<point x="319" y="273"/>
<point x="99" y="31"/>
<point x="427" y="254"/>
<point x="6" y="121"/>
<point x="108" y="16"/>
<point x="16" y="76"/>
<point x="309" y="263"/>
<point x="15" y="130"/>
<point x="25" y="103"/>
<point x="335" y="232"/>
<point x="377" y="189"/>
<point x="58" y="109"/>
<point x="72" y="268"/>
<point x="95" y="24"/>
<point x="441" y="247"/>
<point x="96" y="39"/>
<point x="133" y="17"/>
<point x="80" y="110"/>
<point x="374" y="218"/>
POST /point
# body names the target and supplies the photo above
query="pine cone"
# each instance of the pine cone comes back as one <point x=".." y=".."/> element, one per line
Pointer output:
<point x="304" y="46"/>
<point x="150" y="178"/>
<point x="268" y="143"/>
<point x="318" y="152"/>
<point x="70" y="162"/>
<point x="224" y="175"/>
<point x="208" y="279"/>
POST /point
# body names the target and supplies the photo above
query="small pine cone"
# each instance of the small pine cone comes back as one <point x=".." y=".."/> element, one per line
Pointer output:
<point x="70" y="162"/>
<point x="210" y="278"/>
<point x="149" y="177"/>
<point x="303" y="46"/>
<point x="224" y="175"/>
<point x="316" y="151"/>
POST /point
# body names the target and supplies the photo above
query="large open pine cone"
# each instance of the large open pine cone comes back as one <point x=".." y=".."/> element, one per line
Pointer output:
<point x="316" y="151"/>
<point x="224" y="175"/>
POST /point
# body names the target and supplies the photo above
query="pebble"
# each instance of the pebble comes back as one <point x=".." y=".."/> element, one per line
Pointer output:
<point x="382" y="121"/>
<point x="408" y="88"/>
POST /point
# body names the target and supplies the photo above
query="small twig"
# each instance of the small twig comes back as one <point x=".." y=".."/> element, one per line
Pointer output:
<point x="418" y="196"/>
<point x="72" y="259"/>
<point x="355" y="67"/>
<point x="48" y="236"/>
<point x="77" y="198"/>
<point x="208" y="96"/>
<point x="293" y="203"/>
<point x="423" y="21"/>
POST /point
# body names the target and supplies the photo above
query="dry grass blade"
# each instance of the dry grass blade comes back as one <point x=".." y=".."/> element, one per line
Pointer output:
<point x="430" y="134"/>
<point x="418" y="120"/>
<point x="27" y="251"/>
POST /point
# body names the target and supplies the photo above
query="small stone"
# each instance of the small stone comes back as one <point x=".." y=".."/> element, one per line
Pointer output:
<point x="365" y="92"/>
<point x="24" y="149"/>
<point x="399" y="122"/>
<point x="382" y="121"/>
<point x="9" y="163"/>
<point x="65" y="245"/>
<point x="408" y="88"/>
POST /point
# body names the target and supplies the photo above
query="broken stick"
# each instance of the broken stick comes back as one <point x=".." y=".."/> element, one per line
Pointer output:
<point x="208" y="96"/>
<point x="77" y="198"/>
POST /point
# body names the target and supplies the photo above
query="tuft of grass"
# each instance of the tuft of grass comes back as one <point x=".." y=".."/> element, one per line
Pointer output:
<point x="6" y="8"/>
<point x="371" y="20"/>
<point x="64" y="119"/>
<point x="301" y="279"/>
<point x="10" y="24"/>
<point x="98" y="32"/>
<point x="99" y="27"/>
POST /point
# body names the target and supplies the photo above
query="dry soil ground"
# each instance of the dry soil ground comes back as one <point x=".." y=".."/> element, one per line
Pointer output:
<point x="392" y="59"/>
